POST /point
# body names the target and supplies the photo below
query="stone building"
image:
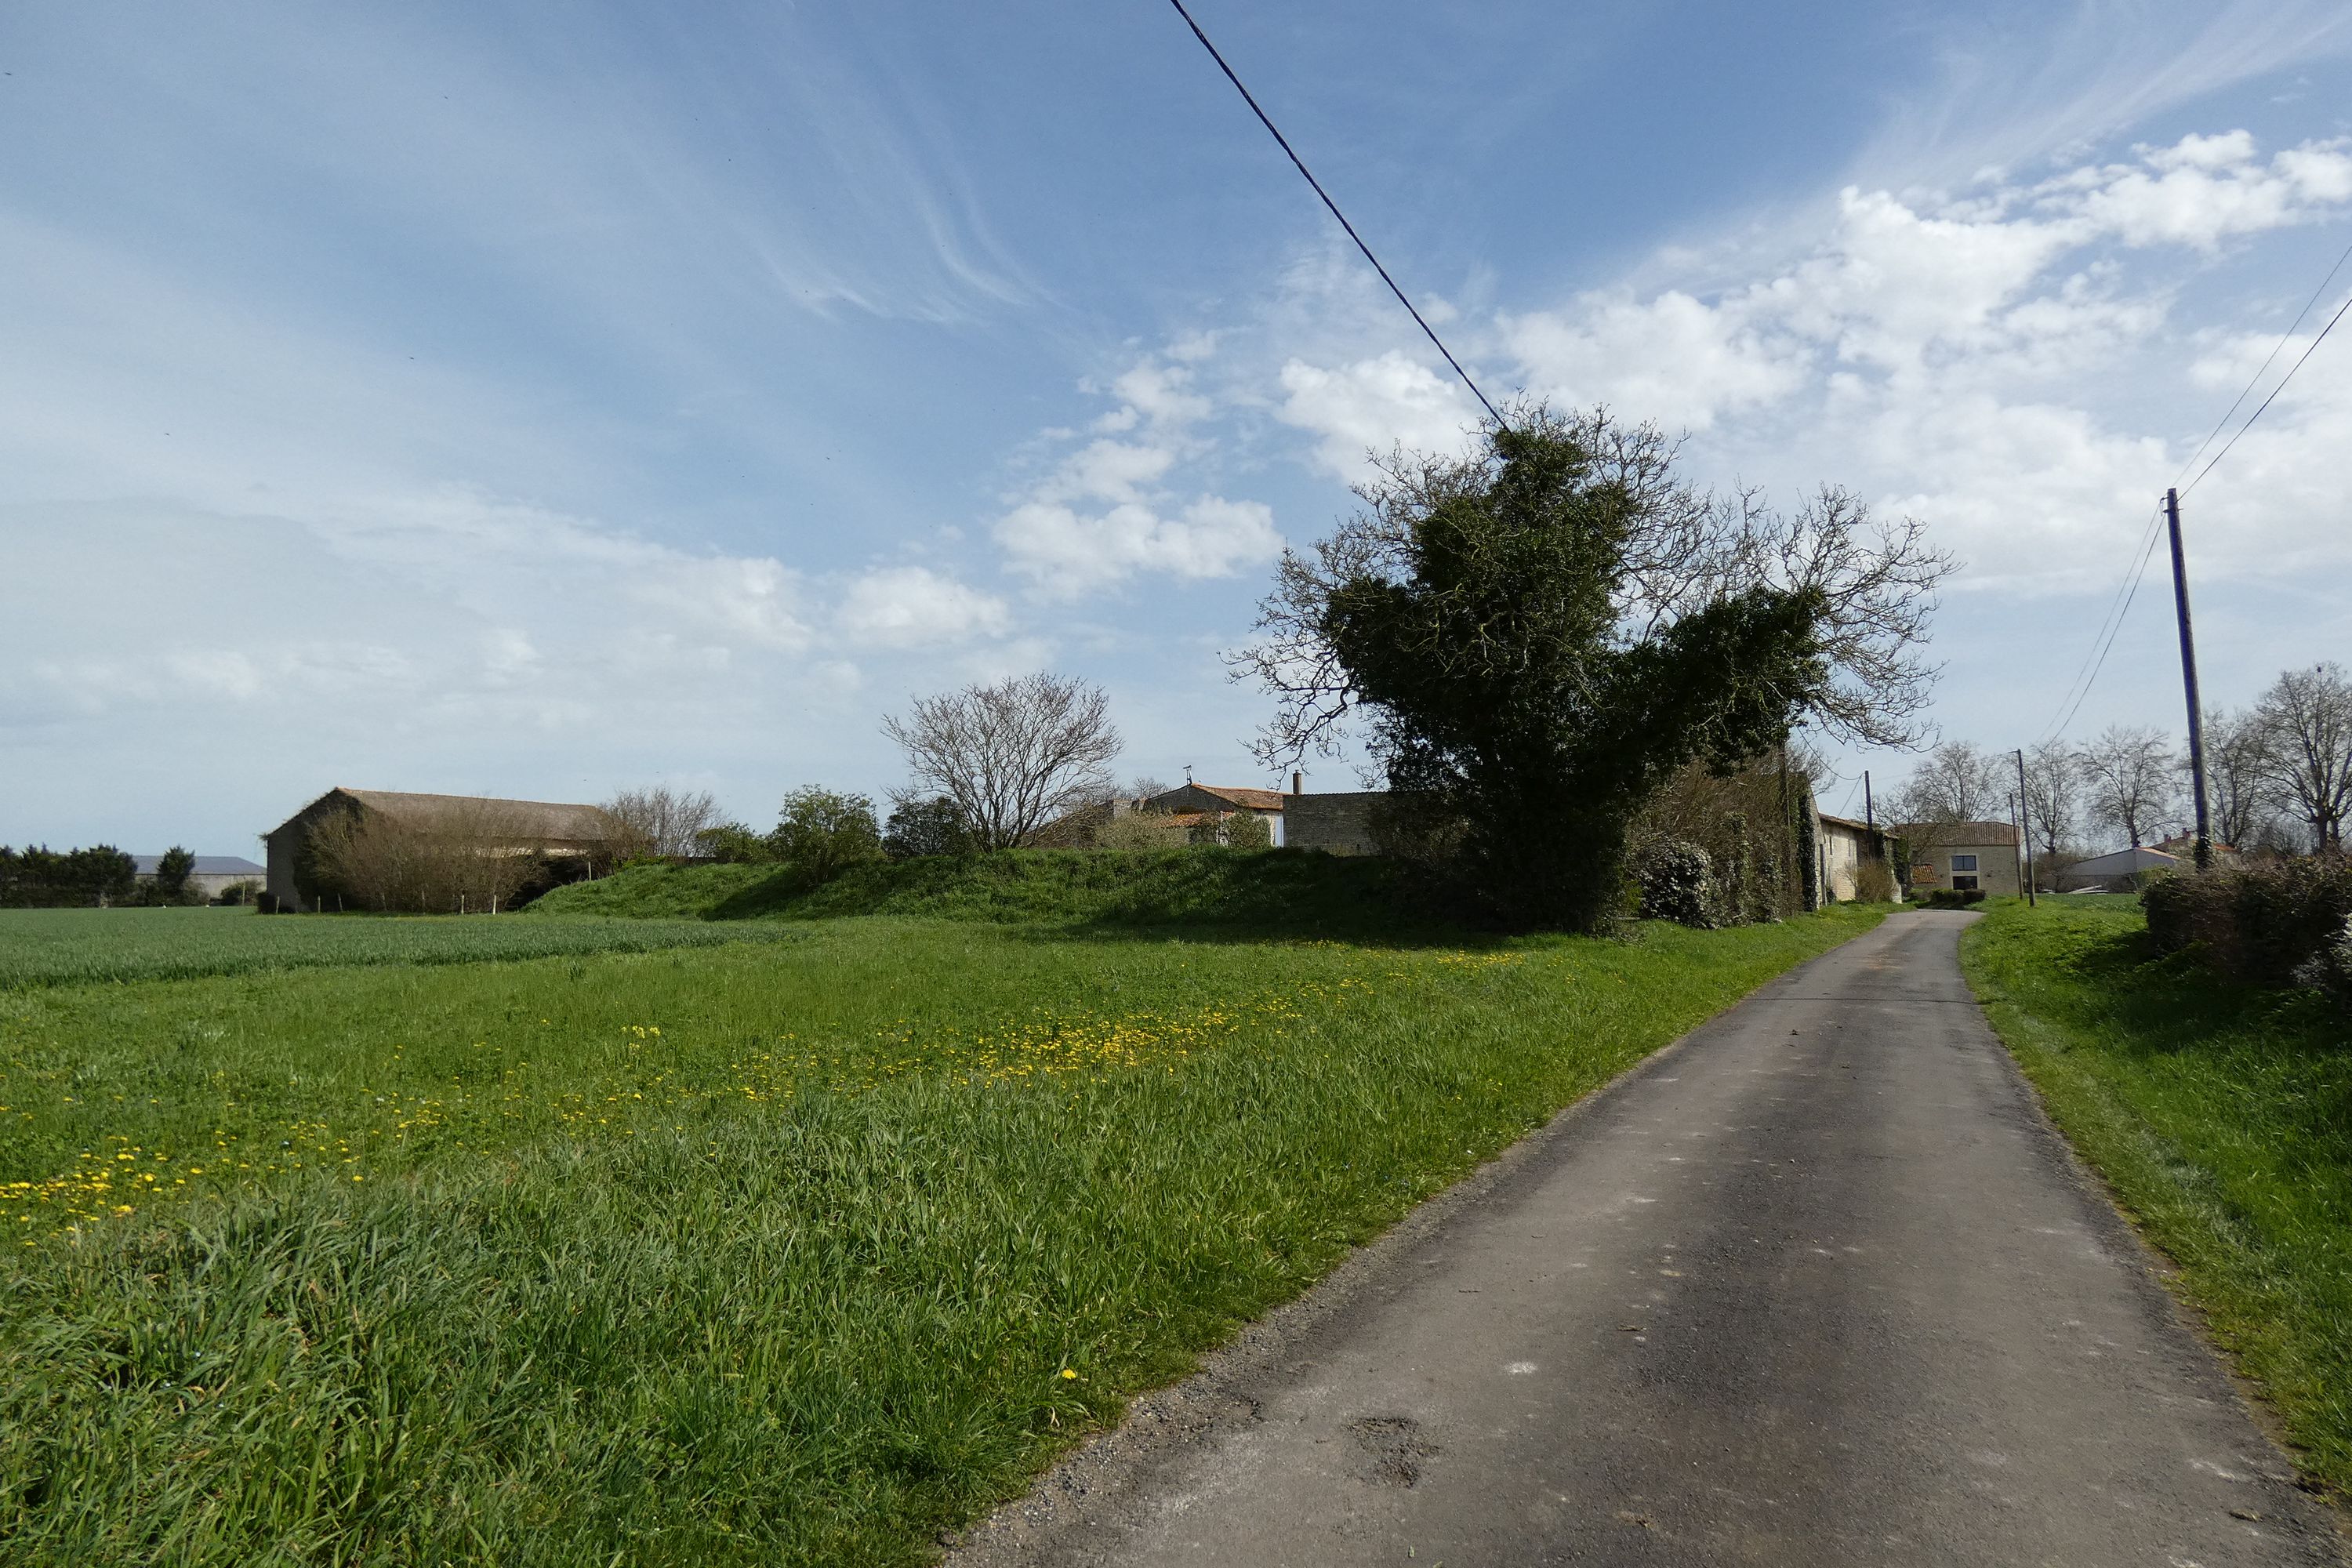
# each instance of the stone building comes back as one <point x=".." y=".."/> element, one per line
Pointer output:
<point x="486" y="825"/>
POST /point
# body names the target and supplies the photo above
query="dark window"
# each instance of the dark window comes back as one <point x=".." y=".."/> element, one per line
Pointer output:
<point x="1964" y="862"/>
<point x="1962" y="882"/>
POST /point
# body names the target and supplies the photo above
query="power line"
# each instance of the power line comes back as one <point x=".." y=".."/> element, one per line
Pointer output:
<point x="1300" y="163"/>
<point x="2104" y="639"/>
<point x="2255" y="380"/>
<point x="2257" y="413"/>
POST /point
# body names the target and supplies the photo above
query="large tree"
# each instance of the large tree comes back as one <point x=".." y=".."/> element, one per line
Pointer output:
<point x="1012" y="755"/>
<point x="2240" y="795"/>
<point x="1955" y="783"/>
<point x="2053" y="784"/>
<point x="2133" y="780"/>
<point x="1545" y="630"/>
<point x="2308" y="715"/>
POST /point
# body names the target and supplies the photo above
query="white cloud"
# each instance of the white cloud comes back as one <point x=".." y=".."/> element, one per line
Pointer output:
<point x="912" y="607"/>
<point x="2205" y="189"/>
<point x="1109" y="511"/>
<point x="1373" y="404"/>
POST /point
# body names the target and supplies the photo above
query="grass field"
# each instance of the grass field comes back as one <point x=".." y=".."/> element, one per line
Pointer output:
<point x="61" y="947"/>
<point x="784" y="1253"/>
<point x="2222" y="1118"/>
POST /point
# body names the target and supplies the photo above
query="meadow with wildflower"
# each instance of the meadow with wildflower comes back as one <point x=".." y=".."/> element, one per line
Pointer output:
<point x="788" y="1252"/>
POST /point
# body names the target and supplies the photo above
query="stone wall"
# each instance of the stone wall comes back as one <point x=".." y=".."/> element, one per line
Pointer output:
<point x="1336" y="824"/>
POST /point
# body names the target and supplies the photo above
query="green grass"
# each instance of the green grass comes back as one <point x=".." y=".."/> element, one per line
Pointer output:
<point x="792" y="1253"/>
<point x="1263" y="892"/>
<point x="68" y="947"/>
<point x="2221" y="1116"/>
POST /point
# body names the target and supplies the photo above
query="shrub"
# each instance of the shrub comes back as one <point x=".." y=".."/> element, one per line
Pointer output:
<point x="1138" y="830"/>
<point x="1238" y="830"/>
<point x="2330" y="969"/>
<point x="823" y="833"/>
<point x="732" y="844"/>
<point x="933" y="827"/>
<point x="2264" y="924"/>
<point x="1676" y="881"/>
<point x="1874" y="882"/>
<point x="1952" y="898"/>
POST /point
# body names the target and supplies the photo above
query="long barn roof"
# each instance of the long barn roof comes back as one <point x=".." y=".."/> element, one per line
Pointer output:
<point x="522" y="818"/>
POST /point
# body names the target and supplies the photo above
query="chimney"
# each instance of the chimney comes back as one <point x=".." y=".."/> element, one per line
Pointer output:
<point x="1297" y="782"/>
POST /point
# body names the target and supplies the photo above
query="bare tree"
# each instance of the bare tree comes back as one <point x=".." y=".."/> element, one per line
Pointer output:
<point x="2053" y="783"/>
<point x="2134" y="781"/>
<point x="2308" y="714"/>
<point x="1957" y="783"/>
<point x="660" y="820"/>
<point x="1685" y="548"/>
<point x="2239" y="793"/>
<point x="469" y="857"/>
<point x="1013" y="755"/>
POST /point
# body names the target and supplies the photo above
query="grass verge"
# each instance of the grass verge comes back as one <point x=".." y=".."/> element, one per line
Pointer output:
<point x="2221" y="1115"/>
<point x="786" y="1254"/>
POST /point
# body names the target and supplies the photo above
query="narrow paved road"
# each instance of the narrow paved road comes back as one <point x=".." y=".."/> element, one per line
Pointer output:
<point x="1817" y="1286"/>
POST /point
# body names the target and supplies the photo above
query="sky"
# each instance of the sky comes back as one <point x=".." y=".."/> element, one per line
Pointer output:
<point x="545" y="401"/>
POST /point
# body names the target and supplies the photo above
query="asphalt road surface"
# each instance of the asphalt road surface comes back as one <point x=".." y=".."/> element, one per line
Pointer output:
<point x="1818" y="1285"/>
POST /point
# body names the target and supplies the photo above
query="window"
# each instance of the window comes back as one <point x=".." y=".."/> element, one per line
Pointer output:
<point x="1962" y="882"/>
<point x="1964" y="863"/>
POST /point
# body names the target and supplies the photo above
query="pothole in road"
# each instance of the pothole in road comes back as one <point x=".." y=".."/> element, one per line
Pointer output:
<point x="1395" y="1445"/>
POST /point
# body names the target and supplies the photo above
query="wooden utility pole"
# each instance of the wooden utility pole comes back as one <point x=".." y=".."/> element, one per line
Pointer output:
<point x="2024" y="828"/>
<point x="1869" y="815"/>
<point x="2188" y="680"/>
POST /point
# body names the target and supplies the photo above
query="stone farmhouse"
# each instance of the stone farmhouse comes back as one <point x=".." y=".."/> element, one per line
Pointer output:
<point x="497" y="826"/>
<point x="1963" y="856"/>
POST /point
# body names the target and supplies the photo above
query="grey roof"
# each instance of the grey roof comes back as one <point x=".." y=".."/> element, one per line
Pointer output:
<point x="206" y="866"/>
<point x="2121" y="863"/>
<point x="523" y="819"/>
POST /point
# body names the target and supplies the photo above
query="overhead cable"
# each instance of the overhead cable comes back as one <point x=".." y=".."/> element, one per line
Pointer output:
<point x="1300" y="163"/>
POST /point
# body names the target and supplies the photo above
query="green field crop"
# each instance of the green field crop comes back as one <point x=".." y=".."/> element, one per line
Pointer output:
<point x="2221" y="1116"/>
<point x="65" y="947"/>
<point x="757" y="1253"/>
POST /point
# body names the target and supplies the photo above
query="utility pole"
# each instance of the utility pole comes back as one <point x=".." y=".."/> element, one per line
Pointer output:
<point x="2025" y="828"/>
<point x="2188" y="679"/>
<point x="1869" y="815"/>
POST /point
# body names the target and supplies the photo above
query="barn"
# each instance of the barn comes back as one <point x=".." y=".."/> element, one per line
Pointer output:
<point x="485" y="825"/>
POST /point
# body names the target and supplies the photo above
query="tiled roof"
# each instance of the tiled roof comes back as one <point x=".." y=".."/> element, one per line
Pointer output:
<point x="1248" y="799"/>
<point x="1960" y="833"/>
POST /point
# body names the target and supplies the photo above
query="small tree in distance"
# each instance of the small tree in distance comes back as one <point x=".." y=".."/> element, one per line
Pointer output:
<point x="921" y="825"/>
<point x="1012" y="755"/>
<point x="171" y="870"/>
<point x="823" y="833"/>
<point x="660" y="820"/>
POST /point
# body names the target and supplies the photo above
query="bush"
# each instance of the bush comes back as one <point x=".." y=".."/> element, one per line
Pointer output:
<point x="1676" y="881"/>
<point x="2264" y="924"/>
<point x="1234" y="829"/>
<point x="1131" y="830"/>
<point x="2330" y="969"/>
<point x="1952" y="898"/>
<point x="732" y="844"/>
<point x="1874" y="882"/>
<point x="933" y="827"/>
<point x="822" y="833"/>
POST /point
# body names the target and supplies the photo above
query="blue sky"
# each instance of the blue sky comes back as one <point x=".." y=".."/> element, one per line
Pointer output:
<point x="540" y="401"/>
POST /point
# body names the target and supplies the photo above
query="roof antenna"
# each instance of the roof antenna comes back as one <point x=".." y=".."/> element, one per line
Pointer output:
<point x="1188" y="772"/>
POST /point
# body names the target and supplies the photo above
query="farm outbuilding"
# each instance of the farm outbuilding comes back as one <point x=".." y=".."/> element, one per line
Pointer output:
<point x="213" y="874"/>
<point x="485" y="825"/>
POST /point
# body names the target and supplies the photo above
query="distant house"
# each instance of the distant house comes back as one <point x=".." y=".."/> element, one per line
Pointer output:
<point x="1962" y="857"/>
<point x="1846" y="846"/>
<point x="2112" y="873"/>
<point x="495" y="827"/>
<point x="213" y="876"/>
<point x="1192" y="799"/>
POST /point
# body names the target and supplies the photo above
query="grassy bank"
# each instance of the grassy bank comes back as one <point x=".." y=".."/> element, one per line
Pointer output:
<point x="71" y="947"/>
<point x="2222" y="1117"/>
<point x="792" y="1253"/>
<point x="1270" y="891"/>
